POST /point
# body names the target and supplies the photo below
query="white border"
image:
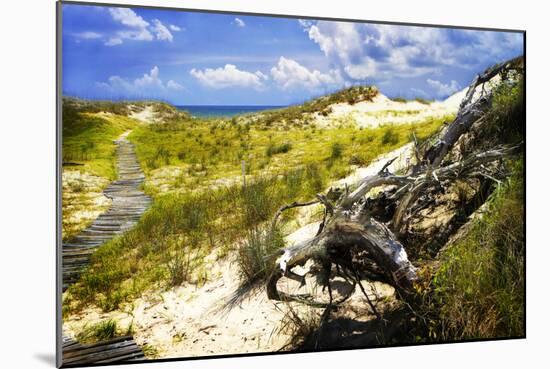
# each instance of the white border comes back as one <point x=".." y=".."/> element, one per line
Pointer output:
<point x="27" y="188"/>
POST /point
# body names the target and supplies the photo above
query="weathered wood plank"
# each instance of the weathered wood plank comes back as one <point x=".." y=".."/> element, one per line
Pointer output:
<point x="115" y="350"/>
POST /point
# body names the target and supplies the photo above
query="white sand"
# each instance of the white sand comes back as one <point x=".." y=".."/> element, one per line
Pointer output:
<point x="187" y="321"/>
<point x="382" y="110"/>
<point x="404" y="155"/>
<point x="83" y="199"/>
<point x="147" y="115"/>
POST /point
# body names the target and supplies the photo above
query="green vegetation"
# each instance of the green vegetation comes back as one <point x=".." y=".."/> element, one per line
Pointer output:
<point x="123" y="108"/>
<point x="256" y="254"/>
<point x="336" y="151"/>
<point x="299" y="114"/>
<point x="102" y="331"/>
<point x="89" y="148"/>
<point x="150" y="351"/>
<point x="423" y="101"/>
<point x="506" y="117"/>
<point x="174" y="236"/>
<point x="91" y="127"/>
<point x="479" y="286"/>
<point x="88" y="141"/>
<point x="170" y="243"/>
<point x="194" y="154"/>
<point x="390" y="137"/>
<point x="278" y="149"/>
<point x="74" y="105"/>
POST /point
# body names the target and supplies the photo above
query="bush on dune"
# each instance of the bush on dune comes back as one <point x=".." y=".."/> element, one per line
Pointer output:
<point x="478" y="290"/>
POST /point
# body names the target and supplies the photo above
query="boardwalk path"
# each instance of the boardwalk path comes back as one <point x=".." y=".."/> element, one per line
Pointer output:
<point x="129" y="203"/>
<point x="110" y="351"/>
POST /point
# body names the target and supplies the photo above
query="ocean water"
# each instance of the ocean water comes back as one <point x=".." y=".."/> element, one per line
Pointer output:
<point x="226" y="111"/>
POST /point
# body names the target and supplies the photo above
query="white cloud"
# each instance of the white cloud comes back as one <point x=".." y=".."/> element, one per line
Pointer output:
<point x="88" y="35"/>
<point x="128" y="17"/>
<point x="305" y="23"/>
<point x="443" y="89"/>
<point x="149" y="84"/>
<point x="229" y="76"/>
<point x="239" y="22"/>
<point x="173" y="85"/>
<point x="137" y="28"/>
<point x="132" y="27"/>
<point x="136" y="35"/>
<point x="149" y="79"/>
<point x="381" y="52"/>
<point x="113" y="41"/>
<point x="289" y="74"/>
<point x="161" y="32"/>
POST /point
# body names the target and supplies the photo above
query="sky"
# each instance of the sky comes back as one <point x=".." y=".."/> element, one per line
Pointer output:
<point x="193" y="58"/>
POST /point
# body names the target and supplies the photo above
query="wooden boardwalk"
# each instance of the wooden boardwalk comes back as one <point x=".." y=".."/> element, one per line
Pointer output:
<point x="119" y="349"/>
<point x="128" y="204"/>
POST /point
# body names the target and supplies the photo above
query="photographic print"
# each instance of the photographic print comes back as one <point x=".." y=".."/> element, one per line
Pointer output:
<point x="237" y="183"/>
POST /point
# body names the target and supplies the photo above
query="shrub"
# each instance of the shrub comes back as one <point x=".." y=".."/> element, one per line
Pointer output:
<point x="314" y="178"/>
<point x="506" y="117"/>
<point x="480" y="284"/>
<point x="101" y="331"/>
<point x="257" y="253"/>
<point x="178" y="267"/>
<point x="293" y="183"/>
<point x="356" y="160"/>
<point x="390" y="136"/>
<point x="336" y="151"/>
<point x="278" y="149"/>
<point x="257" y="200"/>
<point x="423" y="101"/>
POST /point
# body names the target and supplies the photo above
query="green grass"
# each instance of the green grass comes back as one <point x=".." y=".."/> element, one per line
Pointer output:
<point x="480" y="283"/>
<point x="423" y="101"/>
<point x="90" y="128"/>
<point x="183" y="228"/>
<point x="257" y="253"/>
<point x="88" y="147"/>
<point x="102" y="331"/>
<point x="88" y="140"/>
<point x="505" y="119"/>
<point x="199" y="152"/>
<point x="278" y="149"/>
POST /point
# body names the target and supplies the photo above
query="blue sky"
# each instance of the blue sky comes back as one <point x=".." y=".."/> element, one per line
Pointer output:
<point x="189" y="58"/>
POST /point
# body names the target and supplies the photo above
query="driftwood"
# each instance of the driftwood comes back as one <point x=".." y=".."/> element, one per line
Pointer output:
<point x="469" y="111"/>
<point x="351" y="236"/>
